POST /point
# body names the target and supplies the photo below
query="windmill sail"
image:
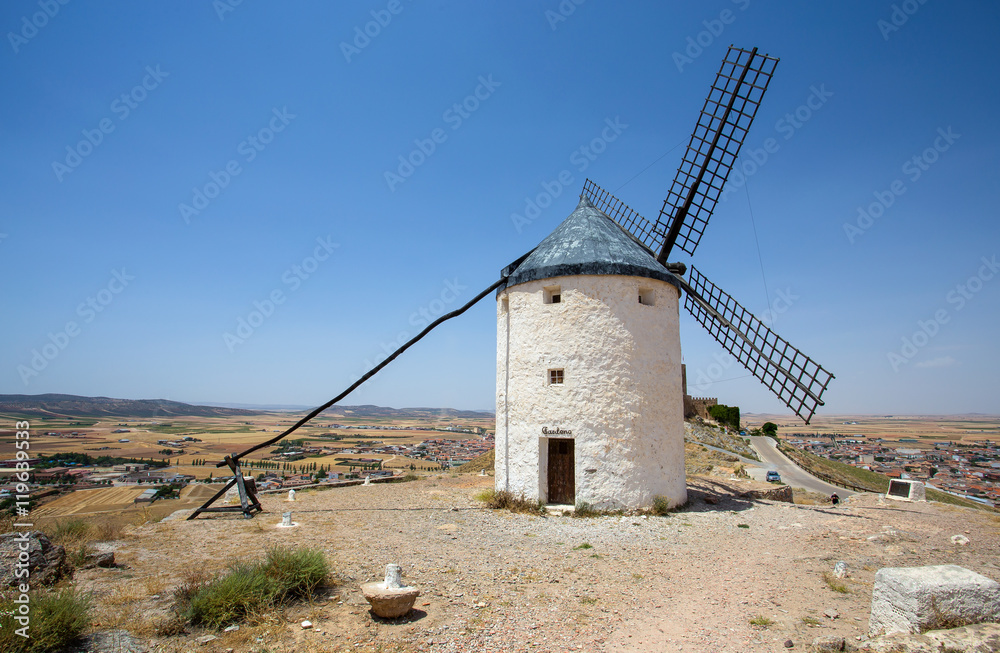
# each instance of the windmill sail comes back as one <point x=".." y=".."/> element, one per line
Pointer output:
<point x="643" y="230"/>
<point x="714" y="146"/>
<point x="797" y="380"/>
<point x="712" y="152"/>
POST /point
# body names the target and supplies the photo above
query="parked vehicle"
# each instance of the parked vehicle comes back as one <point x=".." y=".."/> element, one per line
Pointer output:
<point x="773" y="476"/>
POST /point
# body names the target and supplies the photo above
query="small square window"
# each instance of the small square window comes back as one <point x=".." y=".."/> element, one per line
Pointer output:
<point x="555" y="377"/>
<point x="647" y="297"/>
<point x="552" y="295"/>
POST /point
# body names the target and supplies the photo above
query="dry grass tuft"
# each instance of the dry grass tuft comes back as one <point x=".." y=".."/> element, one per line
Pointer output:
<point x="504" y="500"/>
<point x="485" y="496"/>
<point x="70" y="532"/>
<point x="125" y="594"/>
<point x="835" y="583"/>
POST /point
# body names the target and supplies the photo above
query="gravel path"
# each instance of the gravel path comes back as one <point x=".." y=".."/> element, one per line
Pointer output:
<point x="497" y="581"/>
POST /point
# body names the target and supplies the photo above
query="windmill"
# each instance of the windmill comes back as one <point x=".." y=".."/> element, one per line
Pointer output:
<point x="589" y="398"/>
<point x="589" y="404"/>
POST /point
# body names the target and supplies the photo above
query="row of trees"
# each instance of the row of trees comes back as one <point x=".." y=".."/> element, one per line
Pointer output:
<point x="261" y="464"/>
<point x="82" y="459"/>
<point x="726" y="415"/>
<point x="730" y="416"/>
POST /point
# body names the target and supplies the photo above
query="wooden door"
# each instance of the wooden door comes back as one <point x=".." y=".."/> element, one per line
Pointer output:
<point x="562" y="479"/>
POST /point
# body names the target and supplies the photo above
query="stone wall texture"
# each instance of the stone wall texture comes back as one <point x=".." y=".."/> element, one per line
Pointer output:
<point x="916" y="599"/>
<point x="621" y="399"/>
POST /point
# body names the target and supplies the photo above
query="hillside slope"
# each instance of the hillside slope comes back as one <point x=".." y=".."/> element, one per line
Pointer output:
<point x="698" y="431"/>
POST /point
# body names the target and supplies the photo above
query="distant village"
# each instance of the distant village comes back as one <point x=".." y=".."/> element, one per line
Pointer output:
<point x="971" y="470"/>
<point x="283" y="469"/>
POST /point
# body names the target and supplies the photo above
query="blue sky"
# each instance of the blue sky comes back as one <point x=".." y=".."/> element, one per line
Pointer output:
<point x="169" y="170"/>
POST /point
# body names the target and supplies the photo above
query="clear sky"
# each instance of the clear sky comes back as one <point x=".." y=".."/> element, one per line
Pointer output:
<point x="169" y="170"/>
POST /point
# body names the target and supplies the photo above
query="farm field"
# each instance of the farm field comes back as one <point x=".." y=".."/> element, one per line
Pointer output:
<point x="90" y="501"/>
<point x="114" y="505"/>
<point x="215" y="437"/>
<point x="924" y="429"/>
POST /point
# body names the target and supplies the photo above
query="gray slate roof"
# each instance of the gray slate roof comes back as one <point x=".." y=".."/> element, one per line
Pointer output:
<point x="588" y="242"/>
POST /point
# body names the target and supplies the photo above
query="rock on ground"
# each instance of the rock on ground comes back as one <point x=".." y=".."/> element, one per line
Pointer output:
<point x="46" y="561"/>
<point x="980" y="638"/>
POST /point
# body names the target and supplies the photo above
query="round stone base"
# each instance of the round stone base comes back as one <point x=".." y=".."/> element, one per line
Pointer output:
<point x="389" y="602"/>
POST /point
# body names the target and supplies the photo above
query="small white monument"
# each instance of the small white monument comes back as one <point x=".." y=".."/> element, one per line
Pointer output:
<point x="390" y="598"/>
<point x="291" y="495"/>
<point x="286" y="520"/>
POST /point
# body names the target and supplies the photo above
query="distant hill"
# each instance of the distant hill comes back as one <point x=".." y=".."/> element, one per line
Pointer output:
<point x="369" y="411"/>
<point x="56" y="405"/>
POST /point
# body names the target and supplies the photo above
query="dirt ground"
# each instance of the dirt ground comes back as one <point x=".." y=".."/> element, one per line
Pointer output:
<point x="499" y="581"/>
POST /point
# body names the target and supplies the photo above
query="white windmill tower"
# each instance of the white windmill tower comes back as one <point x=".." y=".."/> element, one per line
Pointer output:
<point x="589" y="387"/>
<point x="589" y="398"/>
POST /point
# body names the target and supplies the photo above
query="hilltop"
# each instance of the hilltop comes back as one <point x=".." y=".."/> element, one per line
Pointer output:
<point x="695" y="580"/>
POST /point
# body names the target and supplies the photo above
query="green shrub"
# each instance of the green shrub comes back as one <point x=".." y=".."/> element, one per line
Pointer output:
<point x="57" y="620"/>
<point x="248" y="589"/>
<point x="244" y="591"/>
<point x="298" y="572"/>
<point x="661" y="505"/>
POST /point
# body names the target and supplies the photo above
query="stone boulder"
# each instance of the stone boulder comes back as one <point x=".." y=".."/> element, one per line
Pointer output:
<point x="46" y="562"/>
<point x="917" y="599"/>
<point x="978" y="638"/>
<point x="105" y="559"/>
<point x="783" y="493"/>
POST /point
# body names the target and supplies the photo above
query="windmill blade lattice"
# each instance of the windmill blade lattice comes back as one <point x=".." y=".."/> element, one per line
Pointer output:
<point x="643" y="230"/>
<point x="714" y="147"/>
<point x="793" y="377"/>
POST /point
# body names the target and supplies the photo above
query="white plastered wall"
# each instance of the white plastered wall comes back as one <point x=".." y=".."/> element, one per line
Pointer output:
<point x="621" y="397"/>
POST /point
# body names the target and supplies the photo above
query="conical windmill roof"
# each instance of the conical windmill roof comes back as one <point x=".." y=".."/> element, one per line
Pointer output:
<point x="588" y="242"/>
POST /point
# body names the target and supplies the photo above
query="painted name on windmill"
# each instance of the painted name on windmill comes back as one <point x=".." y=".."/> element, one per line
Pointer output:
<point x="556" y="431"/>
